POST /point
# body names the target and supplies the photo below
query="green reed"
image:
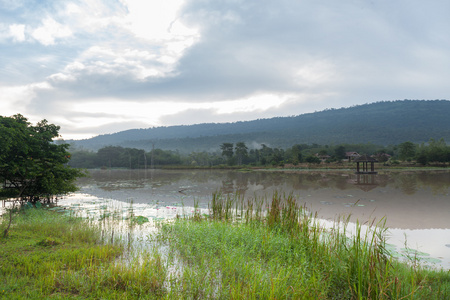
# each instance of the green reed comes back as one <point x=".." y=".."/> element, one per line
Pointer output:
<point x="282" y="251"/>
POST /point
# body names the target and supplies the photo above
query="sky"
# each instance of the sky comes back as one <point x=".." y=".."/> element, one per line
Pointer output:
<point x="102" y="66"/>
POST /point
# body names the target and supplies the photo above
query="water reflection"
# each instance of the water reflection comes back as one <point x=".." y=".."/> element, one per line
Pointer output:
<point x="409" y="199"/>
<point x="415" y="203"/>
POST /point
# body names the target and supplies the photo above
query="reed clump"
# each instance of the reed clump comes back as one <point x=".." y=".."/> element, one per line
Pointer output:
<point x="275" y="249"/>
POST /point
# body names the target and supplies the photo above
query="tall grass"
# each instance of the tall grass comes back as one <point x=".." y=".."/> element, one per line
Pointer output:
<point x="284" y="253"/>
<point x="48" y="255"/>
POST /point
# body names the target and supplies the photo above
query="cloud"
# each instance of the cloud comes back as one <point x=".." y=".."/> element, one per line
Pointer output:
<point x="199" y="61"/>
<point x="49" y="31"/>
<point x="17" y="32"/>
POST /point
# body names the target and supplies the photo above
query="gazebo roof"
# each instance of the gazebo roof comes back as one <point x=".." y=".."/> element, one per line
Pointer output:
<point x="365" y="158"/>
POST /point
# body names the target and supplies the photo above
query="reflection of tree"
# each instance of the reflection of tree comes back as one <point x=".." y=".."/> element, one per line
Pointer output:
<point x="408" y="184"/>
<point x="438" y="181"/>
<point x="232" y="181"/>
<point x="383" y="180"/>
<point x="241" y="183"/>
<point x="227" y="187"/>
<point x="298" y="184"/>
<point x="235" y="182"/>
<point x="341" y="182"/>
<point x="366" y="182"/>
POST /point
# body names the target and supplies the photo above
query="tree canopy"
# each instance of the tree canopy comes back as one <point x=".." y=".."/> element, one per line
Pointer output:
<point x="32" y="166"/>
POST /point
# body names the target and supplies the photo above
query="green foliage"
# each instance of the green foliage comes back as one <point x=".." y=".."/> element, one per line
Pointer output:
<point x="31" y="165"/>
<point x="312" y="159"/>
<point x="120" y="157"/>
<point x="434" y="152"/>
<point x="241" y="151"/>
<point x="227" y="151"/>
<point x="339" y="152"/>
<point x="407" y="151"/>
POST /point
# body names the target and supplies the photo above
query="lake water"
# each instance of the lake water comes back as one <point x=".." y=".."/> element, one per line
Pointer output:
<point x="416" y="204"/>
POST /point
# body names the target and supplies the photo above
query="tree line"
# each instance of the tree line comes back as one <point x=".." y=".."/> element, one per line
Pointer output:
<point x="239" y="154"/>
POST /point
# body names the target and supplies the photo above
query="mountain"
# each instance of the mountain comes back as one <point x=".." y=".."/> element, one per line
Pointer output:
<point x="381" y="123"/>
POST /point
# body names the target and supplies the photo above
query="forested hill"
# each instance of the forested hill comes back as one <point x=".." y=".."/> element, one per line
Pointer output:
<point x="382" y="123"/>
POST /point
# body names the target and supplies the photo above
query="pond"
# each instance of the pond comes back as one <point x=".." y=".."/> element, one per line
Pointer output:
<point x="415" y="204"/>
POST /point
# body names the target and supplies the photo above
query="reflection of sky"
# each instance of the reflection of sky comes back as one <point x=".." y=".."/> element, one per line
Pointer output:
<point x="431" y="243"/>
<point x="409" y="200"/>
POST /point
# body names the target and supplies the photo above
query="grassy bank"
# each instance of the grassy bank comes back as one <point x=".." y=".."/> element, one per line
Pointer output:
<point x="49" y="255"/>
<point x="244" y="249"/>
<point x="286" y="254"/>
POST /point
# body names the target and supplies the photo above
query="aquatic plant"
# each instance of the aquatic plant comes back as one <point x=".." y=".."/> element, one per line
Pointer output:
<point x="284" y="252"/>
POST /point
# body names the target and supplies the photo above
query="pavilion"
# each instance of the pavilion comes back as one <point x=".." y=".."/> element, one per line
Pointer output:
<point x="364" y="160"/>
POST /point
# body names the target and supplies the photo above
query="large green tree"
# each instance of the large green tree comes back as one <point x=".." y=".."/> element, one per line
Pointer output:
<point x="32" y="166"/>
<point x="241" y="152"/>
<point x="227" y="151"/>
<point x="407" y="151"/>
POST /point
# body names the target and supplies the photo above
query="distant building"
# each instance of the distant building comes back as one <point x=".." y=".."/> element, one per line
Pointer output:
<point x="350" y="156"/>
<point x="381" y="157"/>
<point x="322" y="158"/>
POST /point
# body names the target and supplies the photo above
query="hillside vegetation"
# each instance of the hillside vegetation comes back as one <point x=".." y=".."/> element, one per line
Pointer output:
<point x="382" y="123"/>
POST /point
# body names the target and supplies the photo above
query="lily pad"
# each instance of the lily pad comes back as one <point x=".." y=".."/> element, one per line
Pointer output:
<point x="394" y="254"/>
<point x="431" y="260"/>
<point x="390" y="246"/>
<point x="414" y="252"/>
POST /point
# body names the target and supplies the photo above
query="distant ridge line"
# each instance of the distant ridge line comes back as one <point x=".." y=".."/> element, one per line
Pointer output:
<point x="383" y="122"/>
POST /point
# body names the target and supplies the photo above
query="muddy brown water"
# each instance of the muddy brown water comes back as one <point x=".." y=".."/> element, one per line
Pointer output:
<point x="408" y="199"/>
<point x="415" y="204"/>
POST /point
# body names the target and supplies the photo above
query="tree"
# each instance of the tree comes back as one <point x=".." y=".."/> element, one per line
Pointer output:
<point x="407" y="151"/>
<point x="339" y="152"/>
<point x="227" y="150"/>
<point x="312" y="159"/>
<point x="438" y="151"/>
<point x="241" y="152"/>
<point x="32" y="167"/>
<point x="296" y="155"/>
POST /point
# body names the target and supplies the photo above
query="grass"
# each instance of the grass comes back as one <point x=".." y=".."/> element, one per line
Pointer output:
<point x="49" y="255"/>
<point x="285" y="254"/>
<point x="244" y="249"/>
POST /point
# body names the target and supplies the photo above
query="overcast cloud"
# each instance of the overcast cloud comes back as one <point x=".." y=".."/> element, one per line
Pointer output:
<point x="95" y="67"/>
